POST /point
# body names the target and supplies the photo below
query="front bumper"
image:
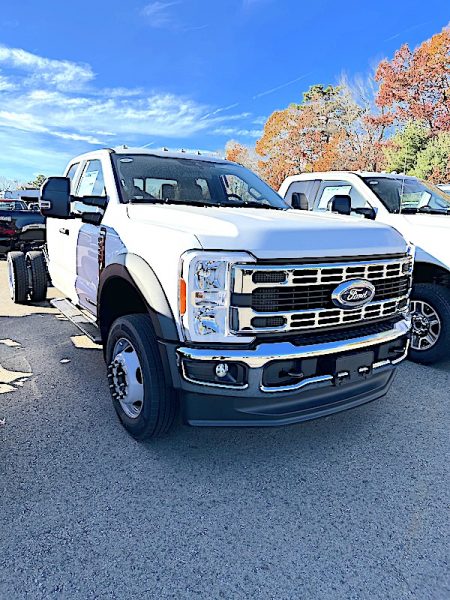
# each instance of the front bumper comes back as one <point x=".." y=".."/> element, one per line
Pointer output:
<point x="336" y="375"/>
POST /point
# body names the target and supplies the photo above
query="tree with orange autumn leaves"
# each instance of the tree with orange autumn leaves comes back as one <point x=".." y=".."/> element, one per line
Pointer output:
<point x="342" y="127"/>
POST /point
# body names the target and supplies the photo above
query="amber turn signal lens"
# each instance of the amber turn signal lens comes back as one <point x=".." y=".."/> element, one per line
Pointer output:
<point x="182" y="295"/>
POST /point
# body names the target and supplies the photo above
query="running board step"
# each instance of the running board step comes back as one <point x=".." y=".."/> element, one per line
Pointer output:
<point x="78" y="318"/>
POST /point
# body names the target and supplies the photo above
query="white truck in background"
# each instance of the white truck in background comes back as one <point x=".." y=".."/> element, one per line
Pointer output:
<point x="205" y="289"/>
<point x="420" y="212"/>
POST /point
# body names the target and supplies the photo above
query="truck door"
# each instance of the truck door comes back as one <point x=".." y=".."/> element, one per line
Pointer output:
<point x="61" y="243"/>
<point x="89" y="237"/>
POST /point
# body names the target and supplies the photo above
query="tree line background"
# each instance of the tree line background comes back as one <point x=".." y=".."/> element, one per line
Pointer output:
<point x="397" y="120"/>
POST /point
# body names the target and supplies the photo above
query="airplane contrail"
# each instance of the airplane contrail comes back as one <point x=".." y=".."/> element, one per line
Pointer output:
<point x="396" y="35"/>
<point x="219" y="110"/>
<point x="279" y="87"/>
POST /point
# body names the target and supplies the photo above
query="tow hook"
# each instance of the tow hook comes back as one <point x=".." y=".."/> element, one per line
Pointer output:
<point x="341" y="377"/>
<point x="364" y="371"/>
<point x="397" y="351"/>
<point x="297" y="375"/>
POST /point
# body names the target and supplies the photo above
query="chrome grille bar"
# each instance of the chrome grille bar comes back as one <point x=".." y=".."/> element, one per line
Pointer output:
<point x="248" y="278"/>
<point x="317" y="274"/>
<point x="309" y="319"/>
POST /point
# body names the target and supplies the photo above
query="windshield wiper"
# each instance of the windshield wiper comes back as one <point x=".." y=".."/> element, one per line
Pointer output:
<point x="434" y="211"/>
<point x="251" y="205"/>
<point x="137" y="200"/>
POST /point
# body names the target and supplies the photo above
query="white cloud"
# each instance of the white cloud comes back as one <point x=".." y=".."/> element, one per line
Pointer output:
<point x="260" y="120"/>
<point x="6" y="84"/>
<point x="58" y="73"/>
<point x="89" y="139"/>
<point x="28" y="156"/>
<point x="159" y="13"/>
<point x="86" y="114"/>
<point x="254" y="133"/>
<point x="45" y="97"/>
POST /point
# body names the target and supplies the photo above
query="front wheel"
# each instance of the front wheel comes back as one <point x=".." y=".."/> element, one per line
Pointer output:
<point x="142" y="398"/>
<point x="430" y="315"/>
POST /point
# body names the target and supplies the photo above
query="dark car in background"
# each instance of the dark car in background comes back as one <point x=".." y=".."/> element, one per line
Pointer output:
<point x="20" y="228"/>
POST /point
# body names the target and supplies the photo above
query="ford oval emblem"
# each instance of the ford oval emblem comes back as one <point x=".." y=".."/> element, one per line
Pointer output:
<point x="353" y="294"/>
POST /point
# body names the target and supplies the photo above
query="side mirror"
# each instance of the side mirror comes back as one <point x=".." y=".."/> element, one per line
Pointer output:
<point x="92" y="218"/>
<point x="367" y="212"/>
<point x="299" y="201"/>
<point x="99" y="201"/>
<point x="55" y="198"/>
<point x="341" y="203"/>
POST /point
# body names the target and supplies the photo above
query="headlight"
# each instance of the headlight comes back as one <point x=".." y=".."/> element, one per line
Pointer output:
<point x="408" y="266"/>
<point x="205" y="293"/>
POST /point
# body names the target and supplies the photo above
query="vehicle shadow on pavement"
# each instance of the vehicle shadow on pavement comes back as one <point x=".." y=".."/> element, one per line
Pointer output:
<point x="58" y="356"/>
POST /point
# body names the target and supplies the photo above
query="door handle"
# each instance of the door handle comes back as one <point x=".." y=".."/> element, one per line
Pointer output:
<point x="64" y="231"/>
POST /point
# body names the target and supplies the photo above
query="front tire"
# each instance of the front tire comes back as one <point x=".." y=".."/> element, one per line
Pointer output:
<point x="142" y="398"/>
<point x="430" y="312"/>
<point x="17" y="277"/>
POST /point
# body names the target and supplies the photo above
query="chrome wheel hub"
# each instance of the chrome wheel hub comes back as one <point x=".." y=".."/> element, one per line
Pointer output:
<point x="426" y="325"/>
<point x="11" y="283"/>
<point x="125" y="378"/>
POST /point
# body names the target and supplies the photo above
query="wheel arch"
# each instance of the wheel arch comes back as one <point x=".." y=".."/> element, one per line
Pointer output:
<point x="125" y="281"/>
<point x="426" y="272"/>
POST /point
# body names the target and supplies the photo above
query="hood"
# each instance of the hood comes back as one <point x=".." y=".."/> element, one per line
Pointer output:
<point x="270" y="234"/>
<point x="430" y="234"/>
<point x="428" y="221"/>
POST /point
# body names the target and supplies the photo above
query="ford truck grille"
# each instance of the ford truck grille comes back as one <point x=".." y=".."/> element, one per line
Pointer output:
<point x="302" y="297"/>
<point x="277" y="298"/>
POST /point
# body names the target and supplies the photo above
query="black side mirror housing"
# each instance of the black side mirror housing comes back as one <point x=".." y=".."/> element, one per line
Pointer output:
<point x="367" y="212"/>
<point x="99" y="201"/>
<point x="299" y="201"/>
<point x="92" y="218"/>
<point x="55" y="198"/>
<point x="341" y="203"/>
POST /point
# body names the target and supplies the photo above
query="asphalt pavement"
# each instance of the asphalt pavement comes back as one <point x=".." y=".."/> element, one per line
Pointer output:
<point x="353" y="506"/>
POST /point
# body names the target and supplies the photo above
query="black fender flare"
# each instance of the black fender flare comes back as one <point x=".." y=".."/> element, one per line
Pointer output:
<point x="139" y="274"/>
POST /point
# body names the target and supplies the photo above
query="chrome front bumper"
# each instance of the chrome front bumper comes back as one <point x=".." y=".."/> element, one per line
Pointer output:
<point x="265" y="353"/>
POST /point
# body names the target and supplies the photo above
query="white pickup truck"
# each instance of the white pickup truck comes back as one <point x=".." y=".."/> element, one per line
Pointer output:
<point x="420" y="212"/>
<point x="207" y="291"/>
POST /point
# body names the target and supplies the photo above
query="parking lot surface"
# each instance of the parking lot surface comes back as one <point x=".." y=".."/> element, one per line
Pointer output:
<point x="352" y="506"/>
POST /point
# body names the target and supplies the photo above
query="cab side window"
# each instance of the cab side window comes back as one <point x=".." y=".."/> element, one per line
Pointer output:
<point x="308" y="187"/>
<point x="71" y="174"/>
<point x="92" y="182"/>
<point x="328" y="189"/>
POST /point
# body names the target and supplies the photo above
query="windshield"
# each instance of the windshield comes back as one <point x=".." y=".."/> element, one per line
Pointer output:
<point x="407" y="194"/>
<point x="159" y="180"/>
<point x="13" y="205"/>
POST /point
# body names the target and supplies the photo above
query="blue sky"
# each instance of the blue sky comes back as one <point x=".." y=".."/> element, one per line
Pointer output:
<point x="178" y="73"/>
